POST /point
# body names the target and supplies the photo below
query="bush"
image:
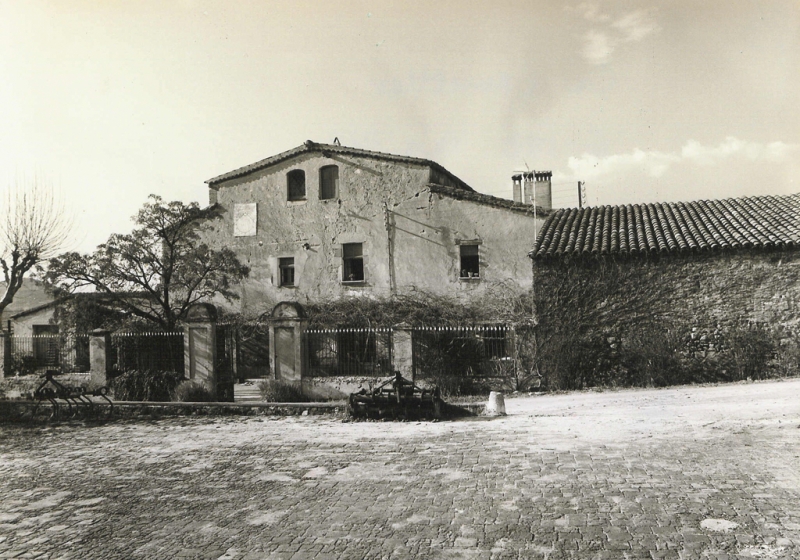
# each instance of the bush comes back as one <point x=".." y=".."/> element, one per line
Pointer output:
<point x="22" y="365"/>
<point x="146" y="385"/>
<point x="192" y="391"/>
<point x="749" y="349"/>
<point x="278" y="391"/>
<point x="787" y="359"/>
<point x="651" y="358"/>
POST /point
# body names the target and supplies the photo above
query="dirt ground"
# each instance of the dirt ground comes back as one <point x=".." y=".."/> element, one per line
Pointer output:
<point x="687" y="472"/>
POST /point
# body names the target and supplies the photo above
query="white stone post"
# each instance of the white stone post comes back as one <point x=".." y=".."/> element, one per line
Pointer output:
<point x="496" y="405"/>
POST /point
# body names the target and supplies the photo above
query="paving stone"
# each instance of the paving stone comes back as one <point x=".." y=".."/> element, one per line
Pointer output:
<point x="628" y="474"/>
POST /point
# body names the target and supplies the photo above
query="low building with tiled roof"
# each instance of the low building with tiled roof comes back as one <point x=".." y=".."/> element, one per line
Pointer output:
<point x="691" y="276"/>
<point x="323" y="221"/>
<point x="761" y="222"/>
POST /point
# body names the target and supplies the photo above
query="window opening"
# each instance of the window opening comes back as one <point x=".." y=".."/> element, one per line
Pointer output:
<point x="296" y="185"/>
<point x="286" y="267"/>
<point x="353" y="256"/>
<point x="328" y="182"/>
<point x="470" y="261"/>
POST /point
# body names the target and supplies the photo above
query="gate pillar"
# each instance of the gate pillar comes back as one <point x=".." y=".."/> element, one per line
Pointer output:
<point x="5" y="349"/>
<point x="286" y="357"/>
<point x="403" y="350"/>
<point x="200" y="348"/>
<point x="99" y="364"/>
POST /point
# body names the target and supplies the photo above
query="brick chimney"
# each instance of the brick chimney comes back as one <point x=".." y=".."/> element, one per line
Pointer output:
<point x="534" y="186"/>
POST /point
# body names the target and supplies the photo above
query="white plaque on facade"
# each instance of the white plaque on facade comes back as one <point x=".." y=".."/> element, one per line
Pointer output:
<point x="244" y="219"/>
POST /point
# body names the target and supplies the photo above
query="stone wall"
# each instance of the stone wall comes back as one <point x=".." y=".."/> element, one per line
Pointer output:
<point x="702" y="294"/>
<point x="647" y="320"/>
<point x="418" y="251"/>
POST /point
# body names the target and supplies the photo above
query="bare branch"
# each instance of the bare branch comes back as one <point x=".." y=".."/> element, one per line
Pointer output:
<point x="33" y="228"/>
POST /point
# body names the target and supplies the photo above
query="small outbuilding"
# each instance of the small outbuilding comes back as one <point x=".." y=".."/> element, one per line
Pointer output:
<point x="689" y="272"/>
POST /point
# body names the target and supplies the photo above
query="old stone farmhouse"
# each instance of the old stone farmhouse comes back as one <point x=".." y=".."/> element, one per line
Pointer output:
<point x="698" y="267"/>
<point x="323" y="221"/>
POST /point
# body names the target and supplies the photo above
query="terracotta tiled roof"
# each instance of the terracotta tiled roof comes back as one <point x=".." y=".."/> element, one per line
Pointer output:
<point x="309" y="146"/>
<point x="487" y="200"/>
<point x="758" y="221"/>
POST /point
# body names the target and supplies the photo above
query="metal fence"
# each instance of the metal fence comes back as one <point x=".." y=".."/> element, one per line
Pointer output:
<point x="154" y="351"/>
<point x="32" y="354"/>
<point x="243" y="349"/>
<point x="348" y="352"/>
<point x="465" y="352"/>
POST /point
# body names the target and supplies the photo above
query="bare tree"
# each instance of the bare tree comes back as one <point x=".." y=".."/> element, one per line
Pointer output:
<point x="33" y="228"/>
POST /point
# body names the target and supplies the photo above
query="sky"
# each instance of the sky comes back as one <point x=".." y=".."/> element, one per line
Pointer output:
<point x="110" y="101"/>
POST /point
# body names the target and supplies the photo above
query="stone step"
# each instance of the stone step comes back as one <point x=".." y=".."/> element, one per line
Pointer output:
<point x="246" y="393"/>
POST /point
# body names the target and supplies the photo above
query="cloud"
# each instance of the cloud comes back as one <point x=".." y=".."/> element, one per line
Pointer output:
<point x="635" y="26"/>
<point x="655" y="163"/>
<point x="590" y="11"/>
<point x="597" y="47"/>
<point x="609" y="33"/>
<point x="775" y="152"/>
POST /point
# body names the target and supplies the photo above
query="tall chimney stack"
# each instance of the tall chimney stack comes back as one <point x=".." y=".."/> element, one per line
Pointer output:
<point x="543" y="186"/>
<point x="534" y="187"/>
<point x="517" y="179"/>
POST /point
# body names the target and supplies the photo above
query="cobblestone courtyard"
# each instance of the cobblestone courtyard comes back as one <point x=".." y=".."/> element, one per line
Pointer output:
<point x="691" y="472"/>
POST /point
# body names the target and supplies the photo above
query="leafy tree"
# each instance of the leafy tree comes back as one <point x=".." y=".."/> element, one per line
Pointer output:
<point x="33" y="227"/>
<point x="160" y="269"/>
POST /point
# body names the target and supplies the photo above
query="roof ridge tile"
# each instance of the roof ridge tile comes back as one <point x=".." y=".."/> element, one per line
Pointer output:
<point x="763" y="221"/>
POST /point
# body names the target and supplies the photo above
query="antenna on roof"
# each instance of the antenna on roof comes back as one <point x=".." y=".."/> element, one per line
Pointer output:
<point x="336" y="142"/>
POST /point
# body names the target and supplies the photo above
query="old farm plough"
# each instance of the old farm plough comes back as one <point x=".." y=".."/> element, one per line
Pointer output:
<point x="75" y="399"/>
<point x="397" y="399"/>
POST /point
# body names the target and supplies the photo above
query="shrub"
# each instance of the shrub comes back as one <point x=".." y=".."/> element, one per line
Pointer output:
<point x="787" y="359"/>
<point x="22" y="365"/>
<point x="279" y="391"/>
<point x="748" y="350"/>
<point x="146" y="385"/>
<point x="651" y="357"/>
<point x="192" y="391"/>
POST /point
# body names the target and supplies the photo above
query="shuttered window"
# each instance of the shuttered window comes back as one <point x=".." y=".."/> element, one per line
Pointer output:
<point x="328" y="182"/>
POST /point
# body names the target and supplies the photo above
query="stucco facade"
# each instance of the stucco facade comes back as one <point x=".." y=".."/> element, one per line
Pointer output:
<point x="32" y="306"/>
<point x="414" y="225"/>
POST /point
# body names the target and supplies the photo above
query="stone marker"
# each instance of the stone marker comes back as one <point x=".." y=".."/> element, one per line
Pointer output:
<point x="496" y="405"/>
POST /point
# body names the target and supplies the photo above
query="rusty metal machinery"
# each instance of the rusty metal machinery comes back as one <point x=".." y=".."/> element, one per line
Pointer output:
<point x="396" y="399"/>
<point x="77" y="399"/>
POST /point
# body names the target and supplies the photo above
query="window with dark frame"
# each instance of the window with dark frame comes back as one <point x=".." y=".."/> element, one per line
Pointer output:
<point x="286" y="267"/>
<point x="328" y="182"/>
<point x="353" y="257"/>
<point x="470" y="261"/>
<point x="296" y="185"/>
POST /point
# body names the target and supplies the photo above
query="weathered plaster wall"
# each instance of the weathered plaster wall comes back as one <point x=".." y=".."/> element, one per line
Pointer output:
<point x="429" y="230"/>
<point x="418" y="252"/>
<point x="31" y="294"/>
<point x="23" y="326"/>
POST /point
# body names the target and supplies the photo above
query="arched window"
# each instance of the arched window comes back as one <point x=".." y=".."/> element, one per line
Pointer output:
<point x="296" y="185"/>
<point x="328" y="182"/>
